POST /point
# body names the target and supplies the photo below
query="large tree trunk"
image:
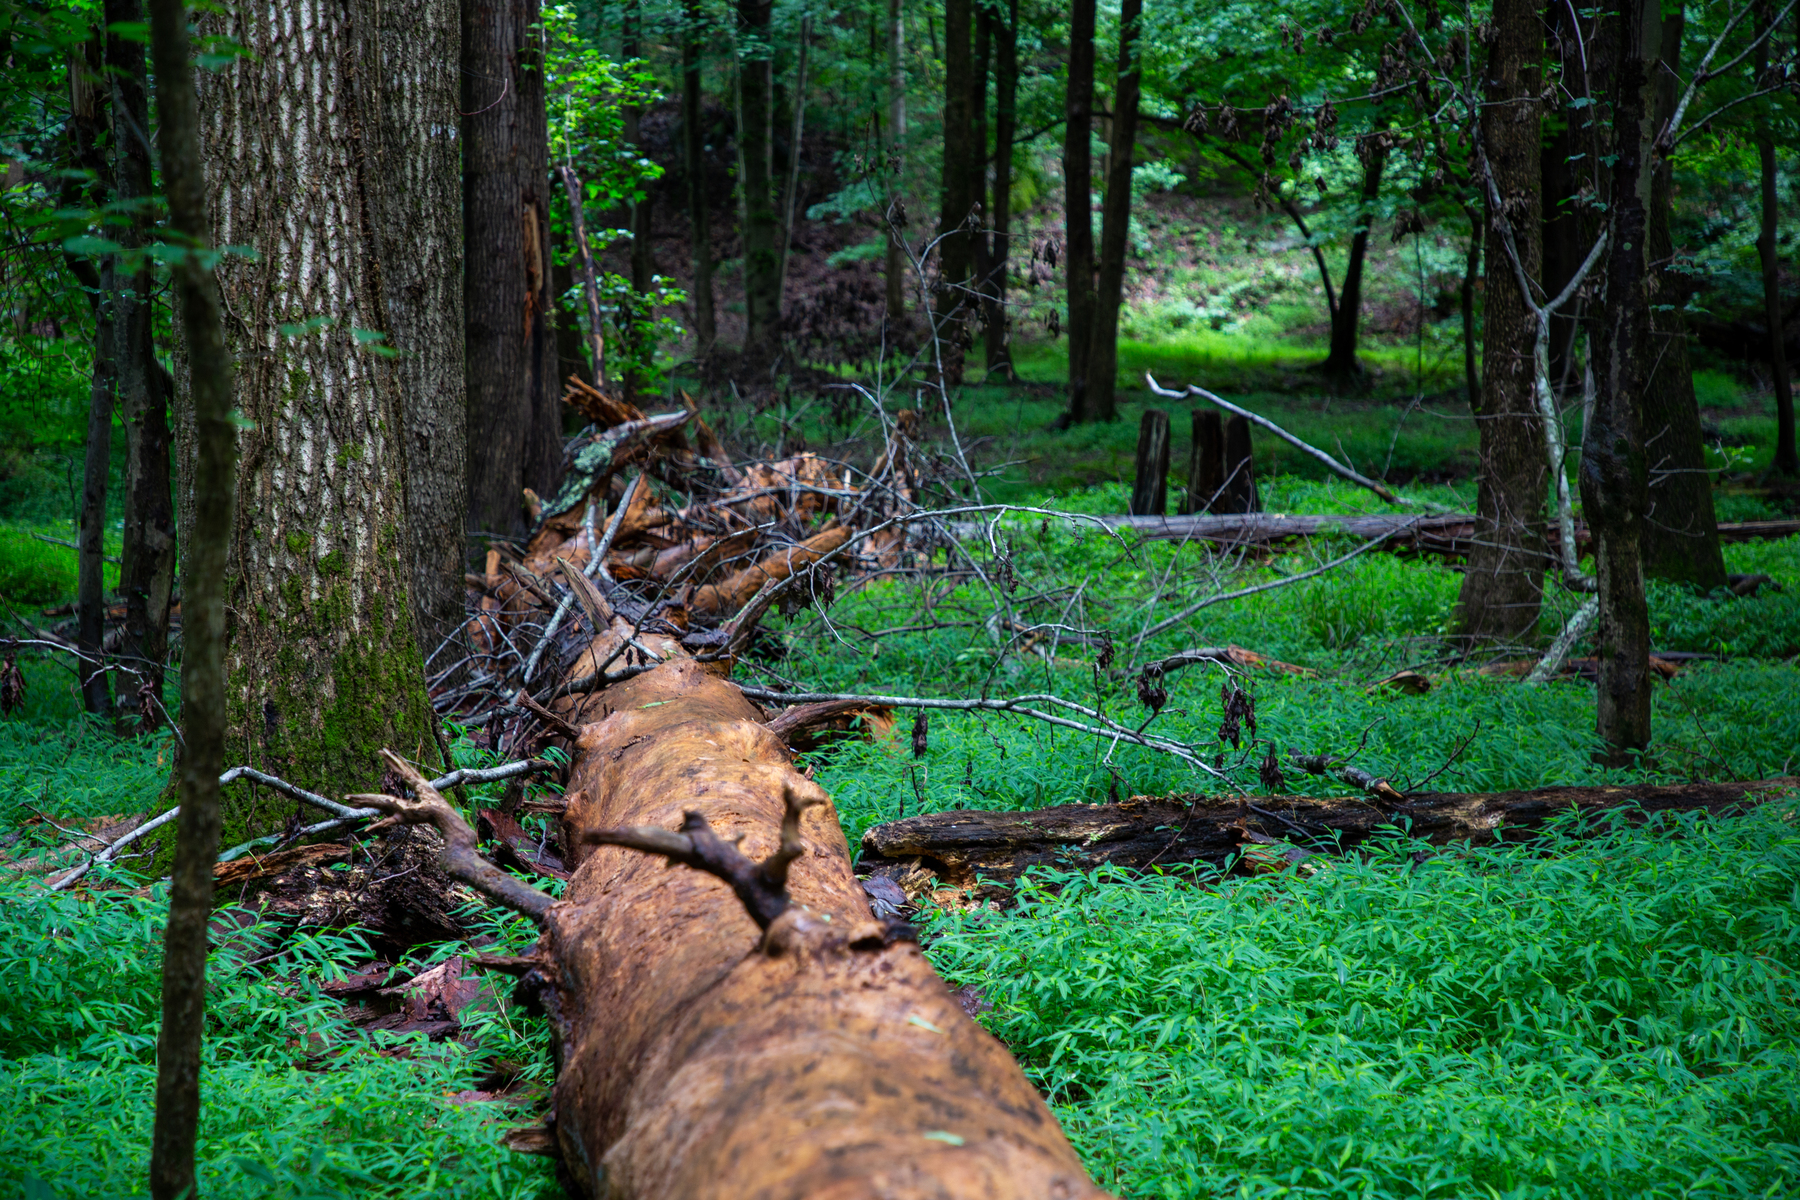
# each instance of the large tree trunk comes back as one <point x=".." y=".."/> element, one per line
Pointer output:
<point x="1006" y="101"/>
<point x="417" y="212"/>
<point x="896" y="267"/>
<point x="1614" y="481"/>
<point x="1681" y="534"/>
<point x="1115" y="225"/>
<point x="1787" y="460"/>
<point x="1503" y="588"/>
<point x="210" y="492"/>
<point x="322" y="652"/>
<point x="1341" y="364"/>
<point x="956" y="246"/>
<point x="514" y="398"/>
<point x="147" y="557"/>
<point x="693" y="117"/>
<point x="702" y="1057"/>
<point x="1078" y="190"/>
<point x="762" y="267"/>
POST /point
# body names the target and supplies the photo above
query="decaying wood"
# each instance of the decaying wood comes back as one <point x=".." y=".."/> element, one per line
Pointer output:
<point x="704" y="1056"/>
<point x="972" y="850"/>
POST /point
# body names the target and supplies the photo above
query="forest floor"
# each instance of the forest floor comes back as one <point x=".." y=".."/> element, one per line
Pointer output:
<point x="1595" y="1016"/>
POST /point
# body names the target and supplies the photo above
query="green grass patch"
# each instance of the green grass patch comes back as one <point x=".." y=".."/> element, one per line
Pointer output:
<point x="1609" y="1017"/>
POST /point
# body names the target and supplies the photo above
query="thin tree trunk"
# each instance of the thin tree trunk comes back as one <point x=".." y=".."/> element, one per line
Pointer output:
<point x="90" y="557"/>
<point x="798" y="101"/>
<point x="896" y="266"/>
<point x="590" y="280"/>
<point x="1078" y="183"/>
<point x="642" y="266"/>
<point x="762" y="302"/>
<point x="322" y="649"/>
<point x="693" y="118"/>
<point x="513" y="401"/>
<point x="211" y="497"/>
<point x="1115" y="225"/>
<point x="147" y="556"/>
<point x="1341" y="362"/>
<point x="1006" y="96"/>
<point x="1613" y="470"/>
<point x="956" y="245"/>
<point x="88" y="106"/>
<point x="1681" y="531"/>
<point x="1787" y="462"/>
<point x="1471" y="272"/>
<point x="1503" y="588"/>
<point x="979" y="268"/>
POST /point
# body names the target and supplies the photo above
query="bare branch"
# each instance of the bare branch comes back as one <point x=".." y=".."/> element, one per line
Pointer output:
<point x="460" y="859"/>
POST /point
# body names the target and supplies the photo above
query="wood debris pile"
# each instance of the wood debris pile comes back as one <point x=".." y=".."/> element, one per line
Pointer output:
<point x="692" y="548"/>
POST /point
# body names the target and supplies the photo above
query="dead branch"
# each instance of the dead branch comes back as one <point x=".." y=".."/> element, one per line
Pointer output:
<point x="460" y="859"/>
<point x="760" y="887"/>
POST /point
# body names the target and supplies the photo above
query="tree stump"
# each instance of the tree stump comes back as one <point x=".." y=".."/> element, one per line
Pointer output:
<point x="1150" y="489"/>
<point x="1240" y="477"/>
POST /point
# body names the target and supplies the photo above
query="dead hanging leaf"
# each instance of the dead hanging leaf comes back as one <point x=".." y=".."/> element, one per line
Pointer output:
<point x="1410" y="682"/>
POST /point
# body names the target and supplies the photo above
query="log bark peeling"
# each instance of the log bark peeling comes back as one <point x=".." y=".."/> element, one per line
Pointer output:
<point x="739" y="1028"/>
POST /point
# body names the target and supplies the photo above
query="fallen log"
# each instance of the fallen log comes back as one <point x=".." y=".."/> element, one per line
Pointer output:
<point x="984" y="853"/>
<point x="1449" y="535"/>
<point x="775" y="1041"/>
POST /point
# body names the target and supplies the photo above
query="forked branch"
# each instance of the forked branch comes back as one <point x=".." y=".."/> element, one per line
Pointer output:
<point x="760" y="886"/>
<point x="460" y="859"/>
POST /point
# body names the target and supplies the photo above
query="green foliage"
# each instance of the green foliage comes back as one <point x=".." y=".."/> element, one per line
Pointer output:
<point x="1610" y="1017"/>
<point x="295" y="1103"/>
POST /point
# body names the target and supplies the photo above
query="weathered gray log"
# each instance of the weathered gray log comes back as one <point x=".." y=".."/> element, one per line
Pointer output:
<point x="1150" y="486"/>
<point x="970" y="849"/>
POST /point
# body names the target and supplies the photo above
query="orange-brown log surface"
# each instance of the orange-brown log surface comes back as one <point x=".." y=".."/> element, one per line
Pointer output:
<point x="700" y="1057"/>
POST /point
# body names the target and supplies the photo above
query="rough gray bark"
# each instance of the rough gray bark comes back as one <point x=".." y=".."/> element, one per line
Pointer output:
<point x="514" y="397"/>
<point x="1115" y="225"/>
<point x="322" y="652"/>
<point x="211" y="491"/>
<point x="1503" y="588"/>
<point x="147" y="556"/>
<point x="1150" y="480"/>
<point x="1206" y="463"/>
<point x="411" y="177"/>
<point x="1078" y="185"/>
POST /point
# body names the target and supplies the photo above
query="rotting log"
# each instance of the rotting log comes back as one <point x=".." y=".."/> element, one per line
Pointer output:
<point x="708" y="1046"/>
<point x="699" y="1056"/>
<point x="986" y="852"/>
